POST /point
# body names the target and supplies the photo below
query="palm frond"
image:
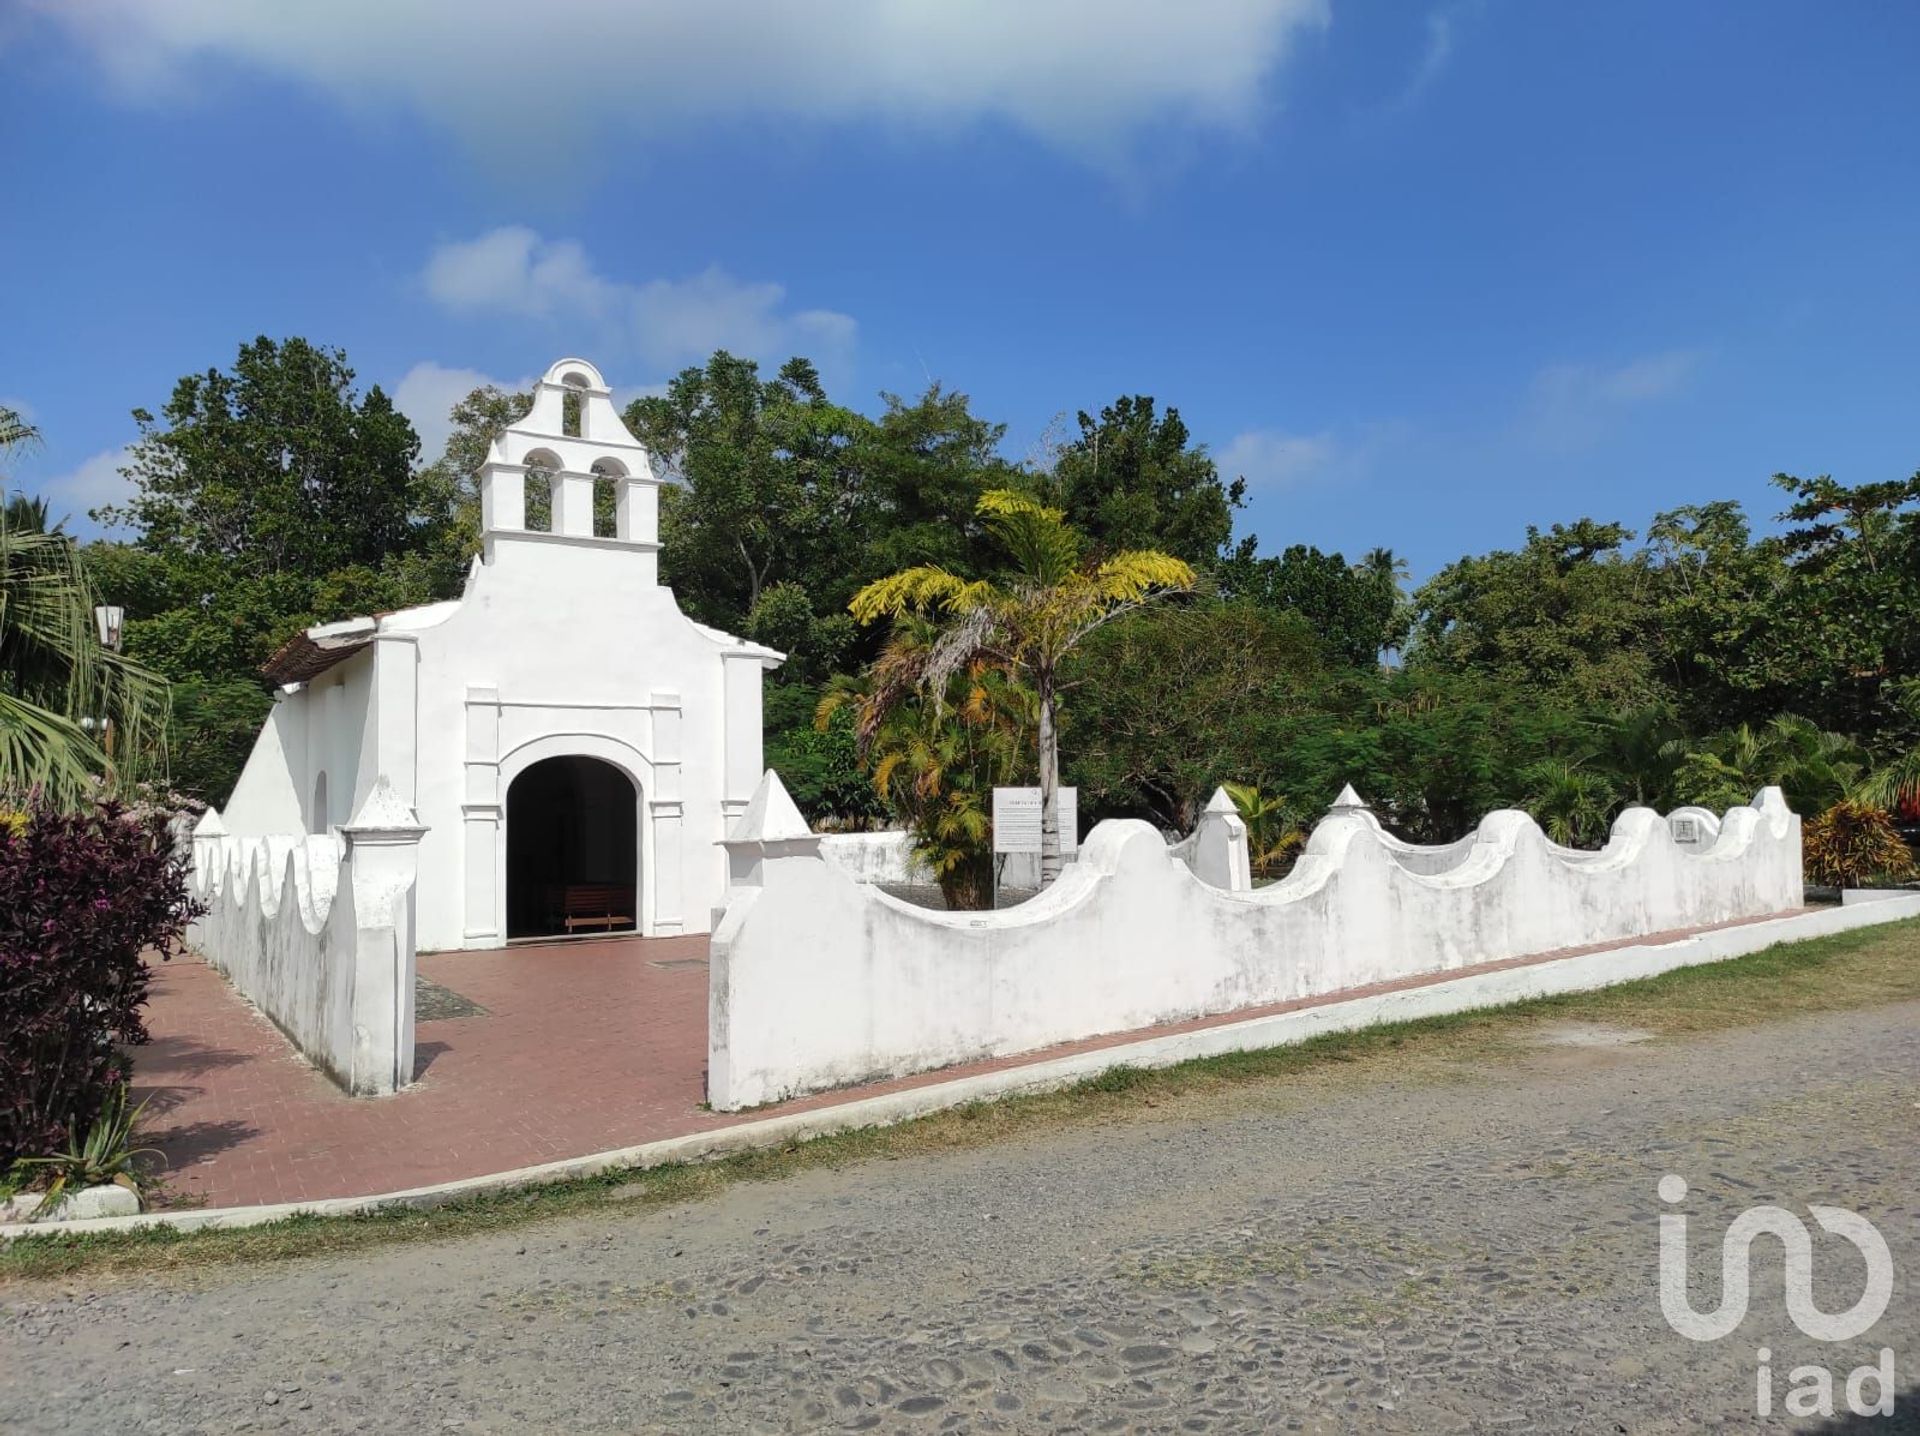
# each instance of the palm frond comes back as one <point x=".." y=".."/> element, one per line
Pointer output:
<point x="1894" y="785"/>
<point x="1128" y="577"/>
<point x="922" y="589"/>
<point x="62" y="690"/>
<point x="1044" y="547"/>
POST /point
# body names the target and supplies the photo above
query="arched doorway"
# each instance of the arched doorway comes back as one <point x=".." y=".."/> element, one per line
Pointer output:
<point x="572" y="849"/>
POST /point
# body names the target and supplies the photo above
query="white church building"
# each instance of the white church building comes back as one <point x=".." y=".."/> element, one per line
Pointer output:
<point x="574" y="746"/>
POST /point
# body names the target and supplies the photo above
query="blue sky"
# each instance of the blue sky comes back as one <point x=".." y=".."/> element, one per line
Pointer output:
<point x="1424" y="274"/>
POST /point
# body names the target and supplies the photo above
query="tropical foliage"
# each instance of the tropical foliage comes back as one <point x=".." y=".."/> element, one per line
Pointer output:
<point x="72" y="712"/>
<point x="1028" y="620"/>
<point x="1853" y="844"/>
<point x="937" y="743"/>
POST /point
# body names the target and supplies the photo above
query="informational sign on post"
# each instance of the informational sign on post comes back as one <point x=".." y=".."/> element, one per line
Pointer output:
<point x="1016" y="820"/>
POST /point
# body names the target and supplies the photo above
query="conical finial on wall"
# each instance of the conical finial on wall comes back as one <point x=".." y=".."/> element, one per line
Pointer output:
<point x="1348" y="801"/>
<point x="771" y="815"/>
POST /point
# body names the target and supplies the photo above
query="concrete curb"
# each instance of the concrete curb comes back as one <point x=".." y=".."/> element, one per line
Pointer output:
<point x="1578" y="973"/>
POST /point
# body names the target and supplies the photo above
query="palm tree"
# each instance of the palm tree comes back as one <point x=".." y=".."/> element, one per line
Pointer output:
<point x="59" y="686"/>
<point x="1028" y="620"/>
<point x="1571" y="804"/>
<point x="936" y="756"/>
<point x="1813" y="767"/>
<point x="26" y="513"/>
<point x="1894" y="784"/>
<point x="1391" y="574"/>
<point x="16" y="434"/>
<point x="1641" y="752"/>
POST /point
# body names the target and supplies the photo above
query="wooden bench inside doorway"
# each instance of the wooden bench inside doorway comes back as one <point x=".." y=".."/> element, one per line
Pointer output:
<point x="595" y="905"/>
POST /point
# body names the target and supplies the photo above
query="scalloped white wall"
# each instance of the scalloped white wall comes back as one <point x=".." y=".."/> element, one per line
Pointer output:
<point x="820" y="981"/>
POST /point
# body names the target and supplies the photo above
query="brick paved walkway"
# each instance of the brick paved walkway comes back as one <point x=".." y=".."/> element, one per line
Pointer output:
<point x="581" y="1047"/>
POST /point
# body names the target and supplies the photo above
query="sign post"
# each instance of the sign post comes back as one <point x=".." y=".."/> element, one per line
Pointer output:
<point x="1016" y="825"/>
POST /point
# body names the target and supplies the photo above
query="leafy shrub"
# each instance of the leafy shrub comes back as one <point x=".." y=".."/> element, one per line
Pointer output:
<point x="1852" y="843"/>
<point x="82" y="896"/>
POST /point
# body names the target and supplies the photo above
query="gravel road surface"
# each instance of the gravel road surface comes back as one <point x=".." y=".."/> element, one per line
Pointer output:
<point x="1384" y="1251"/>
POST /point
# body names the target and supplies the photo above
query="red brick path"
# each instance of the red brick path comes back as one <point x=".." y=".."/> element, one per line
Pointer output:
<point x="585" y="1046"/>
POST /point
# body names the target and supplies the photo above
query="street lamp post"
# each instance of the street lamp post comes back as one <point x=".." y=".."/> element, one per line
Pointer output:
<point x="108" y="619"/>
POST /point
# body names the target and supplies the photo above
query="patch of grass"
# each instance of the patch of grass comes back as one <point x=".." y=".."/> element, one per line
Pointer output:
<point x="1866" y="967"/>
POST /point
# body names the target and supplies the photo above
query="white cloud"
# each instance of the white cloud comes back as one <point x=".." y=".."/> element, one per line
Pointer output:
<point x="427" y="393"/>
<point x="1269" y="459"/>
<point x="1084" y="75"/>
<point x="95" y="483"/>
<point x="515" y="271"/>
<point x="1570" y="405"/>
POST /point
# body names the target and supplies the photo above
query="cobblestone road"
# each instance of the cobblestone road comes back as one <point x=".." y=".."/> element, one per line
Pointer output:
<point x="1327" y="1253"/>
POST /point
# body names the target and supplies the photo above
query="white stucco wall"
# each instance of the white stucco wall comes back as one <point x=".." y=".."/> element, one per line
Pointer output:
<point x="882" y="857"/>
<point x="818" y="981"/>
<point x="267" y="797"/>
<point x="317" y="932"/>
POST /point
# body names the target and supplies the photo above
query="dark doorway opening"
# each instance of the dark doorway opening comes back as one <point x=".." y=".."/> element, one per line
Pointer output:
<point x="572" y="855"/>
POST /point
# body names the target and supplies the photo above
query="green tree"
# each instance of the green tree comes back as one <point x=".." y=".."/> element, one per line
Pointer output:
<point x="451" y="483"/>
<point x="1842" y="628"/>
<point x="267" y="498"/>
<point x="820" y="762"/>
<point x="1030" y="620"/>
<point x="1134" y="480"/>
<point x="24" y="513"/>
<point x="1813" y="767"/>
<point x="1171" y="701"/>
<point x="1357" y="609"/>
<point x="1569" y="614"/>
<point x="277" y="466"/>
<point x="1639" y="753"/>
<point x="1894" y="780"/>
<point x="1715" y="593"/>
<point x="923" y="467"/>
<point x="28" y="513"/>
<point x="766" y="482"/>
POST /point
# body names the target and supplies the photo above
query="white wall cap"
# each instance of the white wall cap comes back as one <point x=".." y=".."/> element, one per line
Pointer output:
<point x="738" y="647"/>
<point x="771" y="816"/>
<point x="427" y="615"/>
<point x="345" y="628"/>
<point x="384" y="811"/>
